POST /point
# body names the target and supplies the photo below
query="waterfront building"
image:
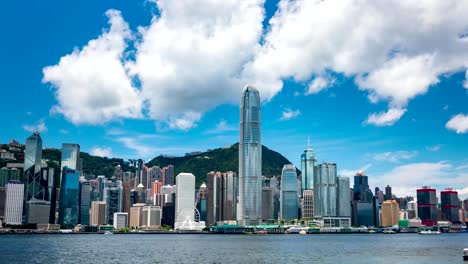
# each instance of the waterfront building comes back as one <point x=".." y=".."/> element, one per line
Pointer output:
<point x="97" y="215"/>
<point x="37" y="211"/>
<point x="70" y="156"/>
<point x="427" y="205"/>
<point x="120" y="220"/>
<point x="465" y="210"/>
<point x="151" y="216"/>
<point x="268" y="203"/>
<point x="85" y="202"/>
<point x="14" y="192"/>
<point x="136" y="212"/>
<point x="308" y="204"/>
<point x="450" y="205"/>
<point x="250" y="159"/>
<point x="325" y="190"/>
<point x="221" y="197"/>
<point x="69" y="204"/>
<point x="168" y="215"/>
<point x="2" y="204"/>
<point x="390" y="213"/>
<point x="289" y="196"/>
<point x="365" y="205"/>
<point x="388" y="193"/>
<point x="412" y="210"/>
<point x="308" y="161"/>
<point x="185" y="210"/>
<point x="274" y="184"/>
<point x="343" y="207"/>
<point x="113" y="197"/>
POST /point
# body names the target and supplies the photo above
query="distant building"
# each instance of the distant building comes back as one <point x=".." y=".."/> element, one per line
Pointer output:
<point x="450" y="205"/>
<point x="97" y="214"/>
<point x="101" y="179"/>
<point x="308" y="160"/>
<point x="113" y="197"/>
<point x="390" y="213"/>
<point x="70" y="156"/>
<point x="151" y="216"/>
<point x="221" y="197"/>
<point x="343" y="207"/>
<point x="364" y="205"/>
<point x="69" y="204"/>
<point x="167" y="175"/>
<point x="7" y="175"/>
<point x="85" y="202"/>
<point x="184" y="203"/>
<point x="201" y="201"/>
<point x="308" y="204"/>
<point x="267" y="203"/>
<point x="120" y="220"/>
<point x="427" y="206"/>
<point x="325" y="190"/>
<point x="388" y="193"/>
<point x="14" y="192"/>
<point x="289" y="195"/>
<point x="136" y="212"/>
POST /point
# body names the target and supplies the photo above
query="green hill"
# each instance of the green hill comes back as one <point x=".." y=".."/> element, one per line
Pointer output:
<point x="221" y="159"/>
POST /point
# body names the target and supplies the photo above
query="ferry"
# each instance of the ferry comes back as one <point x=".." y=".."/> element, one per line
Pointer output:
<point x="262" y="232"/>
<point x="296" y="229"/>
<point x="429" y="232"/>
<point x="108" y="233"/>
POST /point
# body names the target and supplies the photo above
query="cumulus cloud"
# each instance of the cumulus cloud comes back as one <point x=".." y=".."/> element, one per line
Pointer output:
<point x="385" y="118"/>
<point x="91" y="85"/>
<point x="102" y="151"/>
<point x="458" y="123"/>
<point x="318" y="84"/>
<point x="395" y="156"/>
<point x="39" y="127"/>
<point x="289" y="114"/>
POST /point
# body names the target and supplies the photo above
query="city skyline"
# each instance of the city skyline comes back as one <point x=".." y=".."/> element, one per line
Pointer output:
<point x="414" y="144"/>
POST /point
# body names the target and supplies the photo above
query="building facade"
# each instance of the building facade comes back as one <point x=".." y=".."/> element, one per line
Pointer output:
<point x="343" y="206"/>
<point x="427" y="205"/>
<point x="120" y="220"/>
<point x="69" y="193"/>
<point x="97" y="215"/>
<point x="113" y="192"/>
<point x="450" y="205"/>
<point x="308" y="204"/>
<point x="390" y="213"/>
<point x="308" y="161"/>
<point x="14" y="195"/>
<point x="325" y="190"/>
<point x="289" y="195"/>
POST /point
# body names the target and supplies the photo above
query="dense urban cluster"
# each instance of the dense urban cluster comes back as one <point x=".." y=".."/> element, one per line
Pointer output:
<point x="151" y="199"/>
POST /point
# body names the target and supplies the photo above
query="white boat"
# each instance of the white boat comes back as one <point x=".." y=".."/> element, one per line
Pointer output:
<point x="429" y="232"/>
<point x="108" y="233"/>
<point x="388" y="231"/>
<point x="302" y="232"/>
<point x="296" y="229"/>
<point x="465" y="254"/>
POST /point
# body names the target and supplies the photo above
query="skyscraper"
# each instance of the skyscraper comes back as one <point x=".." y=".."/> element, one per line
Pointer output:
<point x="221" y="196"/>
<point x="390" y="213"/>
<point x="250" y="159"/>
<point x="14" y="193"/>
<point x="201" y="201"/>
<point x="308" y="160"/>
<point x="33" y="153"/>
<point x="450" y="205"/>
<point x="388" y="193"/>
<point x="289" y="197"/>
<point x="70" y="156"/>
<point x="185" y="202"/>
<point x="364" y="205"/>
<point x="308" y="204"/>
<point x="85" y="202"/>
<point x="268" y="203"/>
<point x="343" y="207"/>
<point x="69" y="204"/>
<point x="113" y="196"/>
<point x="427" y="205"/>
<point x="167" y="175"/>
<point x="325" y="190"/>
<point x="97" y="214"/>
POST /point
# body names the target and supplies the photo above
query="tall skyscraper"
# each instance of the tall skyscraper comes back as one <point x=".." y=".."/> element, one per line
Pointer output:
<point x="289" y="197"/>
<point x="364" y="211"/>
<point x="185" y="199"/>
<point x="343" y="207"/>
<point x="388" y="193"/>
<point x="201" y="201"/>
<point x="69" y="203"/>
<point x="221" y="196"/>
<point x="325" y="190"/>
<point x="33" y="153"/>
<point x="113" y="192"/>
<point x="70" y="156"/>
<point x="361" y="188"/>
<point x="101" y="179"/>
<point x="267" y="203"/>
<point x="14" y="192"/>
<point x="250" y="159"/>
<point x="85" y="202"/>
<point x="390" y="213"/>
<point x="167" y="174"/>
<point x="450" y="205"/>
<point x="308" y="160"/>
<point x="427" y="205"/>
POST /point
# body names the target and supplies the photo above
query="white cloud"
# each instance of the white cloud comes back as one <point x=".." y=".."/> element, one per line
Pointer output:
<point x="221" y="127"/>
<point x="91" y="85"/>
<point x="142" y="150"/>
<point x="289" y="114"/>
<point x="102" y="151"/>
<point x="458" y="123"/>
<point x="39" y="127"/>
<point x="63" y="131"/>
<point x="396" y="156"/>
<point x="385" y="118"/>
<point x="184" y="121"/>
<point x="318" y="84"/>
<point x="434" y="148"/>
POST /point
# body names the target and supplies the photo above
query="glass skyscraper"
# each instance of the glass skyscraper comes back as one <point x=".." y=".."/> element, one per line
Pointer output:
<point x="250" y="159"/>
<point x="69" y="202"/>
<point x="70" y="156"/>
<point x="289" y="197"/>
<point x="325" y="190"/>
<point x="308" y="160"/>
<point x="344" y="198"/>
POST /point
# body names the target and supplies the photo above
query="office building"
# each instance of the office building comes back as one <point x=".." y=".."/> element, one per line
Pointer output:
<point x="343" y="206"/>
<point x="120" y="220"/>
<point x="97" y="214"/>
<point x="69" y="193"/>
<point x="308" y="204"/>
<point x="308" y="161"/>
<point x="325" y="190"/>
<point x="427" y="206"/>
<point x="126" y="195"/>
<point x="167" y="174"/>
<point x="151" y="216"/>
<point x="70" y="156"/>
<point x="250" y="159"/>
<point x="37" y="211"/>
<point x="14" y="192"/>
<point x="450" y="205"/>
<point x="289" y="196"/>
<point x="9" y="174"/>
<point x="184" y="204"/>
<point x="85" y="202"/>
<point x="388" y="193"/>
<point x="268" y="203"/>
<point x="136" y="212"/>
<point x="113" y="197"/>
<point x="221" y="197"/>
<point x="364" y="210"/>
<point x="201" y="201"/>
<point x="390" y="213"/>
<point x="2" y="204"/>
<point x="101" y="179"/>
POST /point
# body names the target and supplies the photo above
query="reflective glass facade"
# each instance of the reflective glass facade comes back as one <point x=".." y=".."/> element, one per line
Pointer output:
<point x="307" y="167"/>
<point x="325" y="190"/>
<point x="250" y="159"/>
<point x="69" y="202"/>
<point x="70" y="156"/>
<point x="289" y="198"/>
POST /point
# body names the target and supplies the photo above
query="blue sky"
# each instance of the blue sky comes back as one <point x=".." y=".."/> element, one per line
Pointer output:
<point x="138" y="79"/>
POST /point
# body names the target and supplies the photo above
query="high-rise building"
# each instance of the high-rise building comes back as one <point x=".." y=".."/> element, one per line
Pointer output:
<point x="361" y="188"/>
<point x="390" y="213"/>
<point x="14" y="192"/>
<point x="167" y="175"/>
<point x="85" y="202"/>
<point x="221" y="196"/>
<point x="364" y="205"/>
<point x="70" y="156"/>
<point x="308" y="160"/>
<point x="136" y="212"/>
<point x="274" y="184"/>
<point x="450" y="205"/>
<point x="156" y="188"/>
<point x="427" y="206"/>
<point x="185" y="202"/>
<point x="9" y="174"/>
<point x="69" y="203"/>
<point x="388" y="193"/>
<point x="250" y="159"/>
<point x="308" y="204"/>
<point x="120" y="220"/>
<point x="465" y="209"/>
<point x="113" y="197"/>
<point x="126" y="196"/>
<point x="2" y="204"/>
<point x="325" y="190"/>
<point x="101" y="179"/>
<point x="154" y="174"/>
<point x="33" y="154"/>
<point x="343" y="207"/>
<point x="151" y="216"/>
<point x="97" y="215"/>
<point x="268" y="205"/>
<point x="168" y="192"/>
<point x="201" y="201"/>
<point x="289" y="196"/>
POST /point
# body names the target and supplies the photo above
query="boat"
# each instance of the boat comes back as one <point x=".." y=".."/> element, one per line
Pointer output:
<point x="302" y="232"/>
<point x="465" y="254"/>
<point x="108" y="233"/>
<point x="262" y="232"/>
<point x="371" y="232"/>
<point x="429" y="232"/>
<point x="296" y="229"/>
<point x="388" y="231"/>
